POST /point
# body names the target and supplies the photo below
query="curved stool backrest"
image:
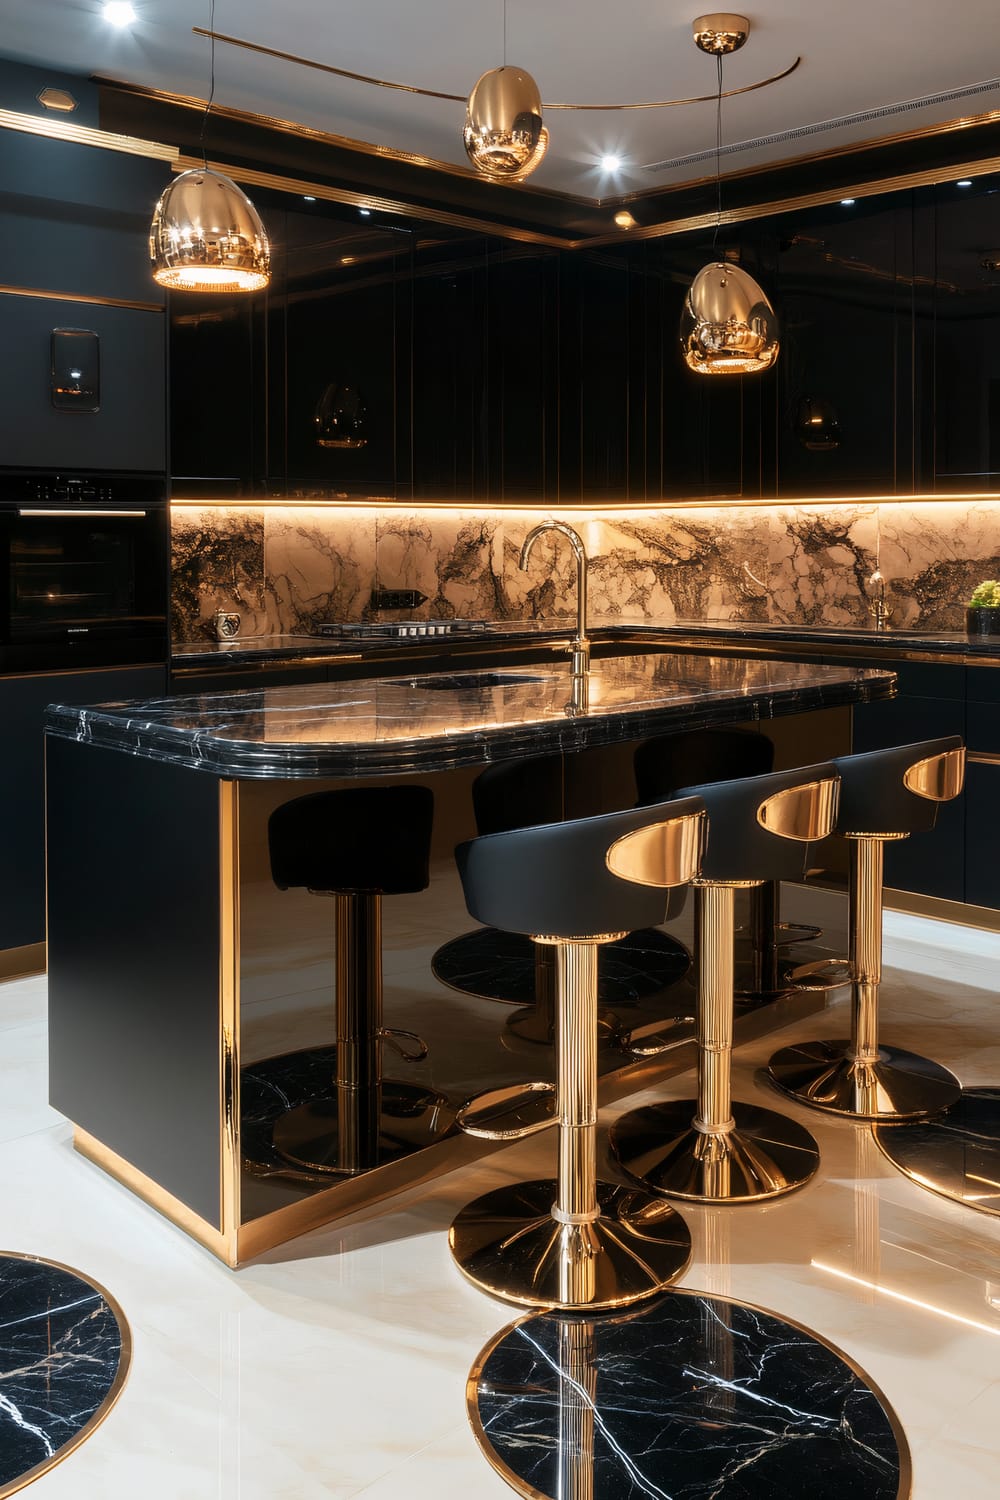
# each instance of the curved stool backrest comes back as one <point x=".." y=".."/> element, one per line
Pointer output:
<point x="584" y="878"/>
<point x="897" y="791"/>
<point x="670" y="761"/>
<point x="760" y="827"/>
<point x="373" y="840"/>
<point x="519" y="794"/>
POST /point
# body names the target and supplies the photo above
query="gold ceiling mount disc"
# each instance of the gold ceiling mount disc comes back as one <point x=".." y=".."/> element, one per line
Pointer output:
<point x="720" y="32"/>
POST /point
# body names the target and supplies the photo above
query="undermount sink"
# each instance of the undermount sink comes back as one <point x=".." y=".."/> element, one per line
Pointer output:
<point x="475" y="680"/>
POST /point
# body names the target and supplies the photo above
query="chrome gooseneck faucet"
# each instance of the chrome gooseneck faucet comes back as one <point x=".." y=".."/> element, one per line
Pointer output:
<point x="580" y="645"/>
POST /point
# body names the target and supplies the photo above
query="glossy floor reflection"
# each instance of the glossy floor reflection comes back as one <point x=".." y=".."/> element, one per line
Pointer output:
<point x="337" y="1366"/>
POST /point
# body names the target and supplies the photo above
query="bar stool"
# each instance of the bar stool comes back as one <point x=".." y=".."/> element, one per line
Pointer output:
<point x="576" y="1242"/>
<point x="710" y="1149"/>
<point x="885" y="795"/>
<point x="358" y="845"/>
<point x="494" y="964"/>
<point x="670" y="761"/>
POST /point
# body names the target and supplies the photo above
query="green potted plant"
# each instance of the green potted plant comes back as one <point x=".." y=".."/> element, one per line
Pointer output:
<point x="982" y="615"/>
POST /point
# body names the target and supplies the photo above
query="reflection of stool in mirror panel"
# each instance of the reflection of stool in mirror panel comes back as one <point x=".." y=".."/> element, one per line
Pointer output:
<point x="358" y="845"/>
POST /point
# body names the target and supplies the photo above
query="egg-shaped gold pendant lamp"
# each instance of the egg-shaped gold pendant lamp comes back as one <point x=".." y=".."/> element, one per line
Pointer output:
<point x="206" y="236"/>
<point x="728" y="326"/>
<point x="504" y="135"/>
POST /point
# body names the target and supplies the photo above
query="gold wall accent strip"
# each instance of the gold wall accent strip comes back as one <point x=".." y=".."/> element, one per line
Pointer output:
<point x="85" y="135"/>
<point x="86" y="297"/>
<point x="153" y="1194"/>
<point x="229" y="1016"/>
<point x="117" y="1385"/>
<point x="982" y="758"/>
<point x="17" y="963"/>
<point x="579" y="511"/>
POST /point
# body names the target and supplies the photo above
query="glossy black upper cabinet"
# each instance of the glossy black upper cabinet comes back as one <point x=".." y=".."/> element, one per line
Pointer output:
<point x="485" y="382"/>
<point x="966" y="355"/>
<point x="298" y="389"/>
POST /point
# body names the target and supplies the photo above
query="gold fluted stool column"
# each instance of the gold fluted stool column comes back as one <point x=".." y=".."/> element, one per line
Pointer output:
<point x="886" y="796"/>
<point x="577" y="1241"/>
<point x="710" y="1149"/>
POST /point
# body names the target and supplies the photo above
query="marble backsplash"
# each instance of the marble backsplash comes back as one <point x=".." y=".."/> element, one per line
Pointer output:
<point x="287" y="568"/>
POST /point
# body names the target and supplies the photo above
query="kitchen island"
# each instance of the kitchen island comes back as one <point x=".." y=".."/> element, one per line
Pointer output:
<point x="183" y="986"/>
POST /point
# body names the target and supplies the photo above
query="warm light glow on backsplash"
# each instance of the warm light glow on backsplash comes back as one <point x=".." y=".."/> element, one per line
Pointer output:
<point x="377" y="506"/>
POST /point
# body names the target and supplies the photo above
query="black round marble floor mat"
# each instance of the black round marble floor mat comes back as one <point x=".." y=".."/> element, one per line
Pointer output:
<point x="955" y="1154"/>
<point x="66" y="1354"/>
<point x="500" y="965"/>
<point x="691" y="1398"/>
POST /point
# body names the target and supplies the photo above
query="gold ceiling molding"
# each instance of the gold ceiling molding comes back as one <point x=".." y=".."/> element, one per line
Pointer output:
<point x="410" y="88"/>
<point x="354" y="199"/>
<point x="871" y="189"/>
<point x="85" y="135"/>
<point x="312" y="133"/>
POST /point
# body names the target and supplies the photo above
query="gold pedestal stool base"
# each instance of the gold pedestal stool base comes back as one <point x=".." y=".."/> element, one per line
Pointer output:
<point x="407" y="1118"/>
<point x="957" y="1154"/>
<point x="763" y="1155"/>
<point x="899" y="1086"/>
<point x="508" y="1243"/>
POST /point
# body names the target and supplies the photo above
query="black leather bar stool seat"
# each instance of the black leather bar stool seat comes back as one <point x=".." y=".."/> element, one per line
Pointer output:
<point x="358" y="845"/>
<point x="670" y="761"/>
<point x="886" y="795"/>
<point x="709" y="1148"/>
<point x="496" y="964"/>
<point x="576" y="1242"/>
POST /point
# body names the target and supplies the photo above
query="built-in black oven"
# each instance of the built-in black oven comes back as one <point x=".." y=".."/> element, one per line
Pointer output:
<point x="84" y="570"/>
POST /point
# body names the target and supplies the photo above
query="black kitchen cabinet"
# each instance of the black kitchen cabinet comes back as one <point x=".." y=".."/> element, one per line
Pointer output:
<point x="128" y="431"/>
<point x="982" y="787"/>
<point x="23" y="701"/>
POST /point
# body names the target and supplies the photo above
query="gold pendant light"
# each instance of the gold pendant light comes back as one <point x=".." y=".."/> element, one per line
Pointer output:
<point x="504" y="135"/>
<point x="728" y="326"/>
<point x="206" y="235"/>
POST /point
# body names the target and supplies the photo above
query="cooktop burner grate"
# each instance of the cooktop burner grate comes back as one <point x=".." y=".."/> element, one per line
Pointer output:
<point x="392" y="629"/>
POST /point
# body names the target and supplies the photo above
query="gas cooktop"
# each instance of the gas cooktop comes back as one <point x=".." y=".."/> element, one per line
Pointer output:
<point x="392" y="629"/>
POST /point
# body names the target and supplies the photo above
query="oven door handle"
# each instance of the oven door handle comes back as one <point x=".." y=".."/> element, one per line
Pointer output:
<point x="34" y="511"/>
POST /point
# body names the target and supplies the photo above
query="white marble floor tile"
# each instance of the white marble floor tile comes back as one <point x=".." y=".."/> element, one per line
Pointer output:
<point x="336" y="1365"/>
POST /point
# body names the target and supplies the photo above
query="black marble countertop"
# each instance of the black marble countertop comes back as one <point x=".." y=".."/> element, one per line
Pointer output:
<point x="293" y="648"/>
<point x="388" y="725"/>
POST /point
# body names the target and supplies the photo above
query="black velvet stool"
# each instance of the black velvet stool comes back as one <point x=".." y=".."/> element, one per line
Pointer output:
<point x="498" y="965"/>
<point x="575" y="1242"/>
<point x="710" y="1149"/>
<point x="358" y="845"/>
<point x="699" y="755"/>
<point x="885" y="795"/>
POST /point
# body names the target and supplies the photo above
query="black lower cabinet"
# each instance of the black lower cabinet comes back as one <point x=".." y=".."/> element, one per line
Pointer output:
<point x="23" y="701"/>
<point x="982" y="788"/>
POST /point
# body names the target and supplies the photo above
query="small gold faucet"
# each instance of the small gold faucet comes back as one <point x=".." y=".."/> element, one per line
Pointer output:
<point x="880" y="612"/>
<point x="580" y="645"/>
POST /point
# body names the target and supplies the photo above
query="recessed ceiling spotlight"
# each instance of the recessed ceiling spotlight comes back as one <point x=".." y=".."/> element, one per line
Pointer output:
<point x="119" y="13"/>
<point x="308" y="198"/>
<point x="365" y="211"/>
<point x="624" y="219"/>
<point x="846" y="202"/>
<point x="965" y="182"/>
<point x="610" y="163"/>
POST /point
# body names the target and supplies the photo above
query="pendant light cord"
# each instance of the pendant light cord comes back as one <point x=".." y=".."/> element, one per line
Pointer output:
<point x="504" y="31"/>
<point x="211" y="87"/>
<point x="718" y="151"/>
